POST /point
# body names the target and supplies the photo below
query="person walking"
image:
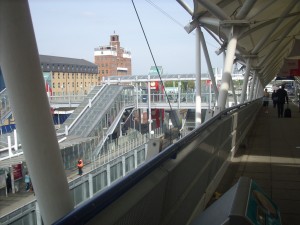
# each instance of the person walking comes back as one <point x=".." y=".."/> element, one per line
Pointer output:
<point x="8" y="183"/>
<point x="266" y="100"/>
<point x="27" y="181"/>
<point x="282" y="98"/>
<point x="274" y="98"/>
<point x="80" y="166"/>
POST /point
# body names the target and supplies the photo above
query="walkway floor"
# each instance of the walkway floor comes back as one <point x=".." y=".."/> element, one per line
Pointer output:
<point x="271" y="157"/>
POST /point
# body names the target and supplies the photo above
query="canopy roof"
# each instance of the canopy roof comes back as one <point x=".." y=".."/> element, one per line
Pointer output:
<point x="267" y="30"/>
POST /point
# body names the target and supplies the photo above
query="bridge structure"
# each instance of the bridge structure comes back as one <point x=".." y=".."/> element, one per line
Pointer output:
<point x="260" y="35"/>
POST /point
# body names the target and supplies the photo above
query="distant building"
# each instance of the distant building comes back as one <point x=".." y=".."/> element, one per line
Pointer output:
<point x="113" y="60"/>
<point x="68" y="76"/>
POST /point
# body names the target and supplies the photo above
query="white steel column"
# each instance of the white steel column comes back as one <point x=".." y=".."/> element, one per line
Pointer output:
<point x="24" y="81"/>
<point x="252" y="85"/>
<point x="227" y="69"/>
<point x="198" y="79"/>
<point x="259" y="89"/>
<point x="245" y="81"/>
<point x="208" y="62"/>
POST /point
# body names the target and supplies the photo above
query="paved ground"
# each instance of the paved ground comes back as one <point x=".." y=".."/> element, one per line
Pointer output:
<point x="271" y="157"/>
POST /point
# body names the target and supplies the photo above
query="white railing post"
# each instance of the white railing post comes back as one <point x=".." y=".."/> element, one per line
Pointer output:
<point x="9" y="146"/>
<point x="91" y="191"/>
<point x="38" y="214"/>
<point x="16" y="140"/>
<point x="123" y="165"/>
<point x="66" y="130"/>
<point x="108" y="174"/>
<point x="135" y="158"/>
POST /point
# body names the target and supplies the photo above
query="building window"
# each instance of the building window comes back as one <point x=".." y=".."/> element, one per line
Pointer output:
<point x="58" y="76"/>
<point x="53" y="76"/>
<point x="63" y="76"/>
<point x="72" y="75"/>
<point x="102" y="71"/>
<point x="53" y="85"/>
<point x="106" y="71"/>
<point x="58" y="85"/>
<point x="72" y="84"/>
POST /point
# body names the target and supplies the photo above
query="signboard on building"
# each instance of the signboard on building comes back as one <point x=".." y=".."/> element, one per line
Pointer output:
<point x="17" y="171"/>
<point x="154" y="69"/>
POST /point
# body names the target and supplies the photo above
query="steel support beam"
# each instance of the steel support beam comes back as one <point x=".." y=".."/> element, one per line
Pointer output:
<point x="247" y="6"/>
<point x="214" y="9"/>
<point x="208" y="62"/>
<point x="253" y="85"/>
<point x="245" y="81"/>
<point x="198" y="79"/>
<point x="231" y="47"/>
<point x="185" y="6"/>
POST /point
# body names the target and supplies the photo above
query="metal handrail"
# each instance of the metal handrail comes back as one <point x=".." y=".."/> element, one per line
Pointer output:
<point x="89" y="209"/>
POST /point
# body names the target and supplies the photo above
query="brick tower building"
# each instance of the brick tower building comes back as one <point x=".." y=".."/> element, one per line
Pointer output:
<point x="112" y="59"/>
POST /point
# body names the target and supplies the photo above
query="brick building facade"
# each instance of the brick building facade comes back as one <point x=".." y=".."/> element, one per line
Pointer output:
<point x="112" y="59"/>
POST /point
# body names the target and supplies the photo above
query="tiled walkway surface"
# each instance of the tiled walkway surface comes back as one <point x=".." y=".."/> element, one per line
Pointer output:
<point x="271" y="157"/>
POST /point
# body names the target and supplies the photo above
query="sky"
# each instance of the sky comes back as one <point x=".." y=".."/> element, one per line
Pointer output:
<point x="73" y="28"/>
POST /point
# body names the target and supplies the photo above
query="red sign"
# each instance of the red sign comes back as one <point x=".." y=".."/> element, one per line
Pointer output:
<point x="154" y="85"/>
<point x="17" y="171"/>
